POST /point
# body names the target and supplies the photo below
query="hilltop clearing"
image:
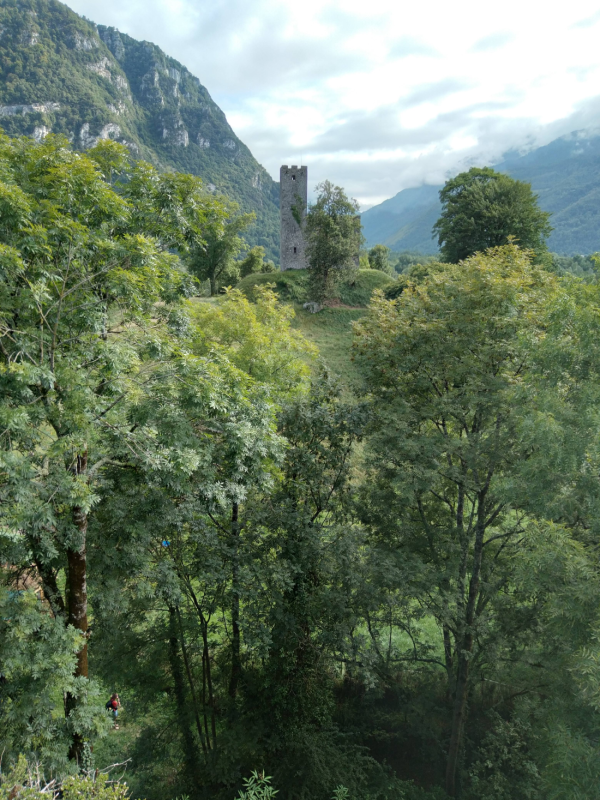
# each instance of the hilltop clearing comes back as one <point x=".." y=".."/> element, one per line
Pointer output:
<point x="331" y="329"/>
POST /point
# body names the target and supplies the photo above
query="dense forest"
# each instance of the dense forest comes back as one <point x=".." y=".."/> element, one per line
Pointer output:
<point x="383" y="591"/>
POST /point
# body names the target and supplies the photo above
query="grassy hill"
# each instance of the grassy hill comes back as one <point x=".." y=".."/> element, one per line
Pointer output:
<point x="61" y="73"/>
<point x="331" y="329"/>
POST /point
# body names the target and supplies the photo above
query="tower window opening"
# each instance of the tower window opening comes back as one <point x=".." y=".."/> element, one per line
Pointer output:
<point x="295" y="250"/>
<point x="293" y="177"/>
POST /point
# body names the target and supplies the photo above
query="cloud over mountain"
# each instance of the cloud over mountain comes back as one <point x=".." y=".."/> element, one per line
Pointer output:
<point x="372" y="90"/>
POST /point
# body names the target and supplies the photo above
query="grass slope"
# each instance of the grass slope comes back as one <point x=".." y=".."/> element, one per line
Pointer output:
<point x="331" y="329"/>
<point x="292" y="286"/>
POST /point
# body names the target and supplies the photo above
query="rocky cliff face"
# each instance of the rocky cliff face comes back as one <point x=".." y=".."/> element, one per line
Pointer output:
<point x="60" y="73"/>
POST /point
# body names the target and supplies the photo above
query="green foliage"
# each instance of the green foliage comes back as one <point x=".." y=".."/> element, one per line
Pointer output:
<point x="26" y="782"/>
<point x="377" y="596"/>
<point x="404" y="260"/>
<point x="333" y="239"/>
<point x="482" y="208"/>
<point x="340" y="793"/>
<point x="81" y="265"/>
<point x="293" y="286"/>
<point x="255" y="263"/>
<point x="298" y="210"/>
<point x="453" y="363"/>
<point x="257" y="787"/>
<point x="581" y="266"/>
<point x="358" y="291"/>
<point x="37" y="660"/>
<point x="212" y="253"/>
<point x="379" y="258"/>
<point x="289" y="286"/>
<point x="257" y="337"/>
<point x="504" y="769"/>
<point x="331" y="329"/>
<point x="572" y="771"/>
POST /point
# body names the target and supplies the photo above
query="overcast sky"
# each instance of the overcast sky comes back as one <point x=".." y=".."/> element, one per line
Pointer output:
<point x="380" y="95"/>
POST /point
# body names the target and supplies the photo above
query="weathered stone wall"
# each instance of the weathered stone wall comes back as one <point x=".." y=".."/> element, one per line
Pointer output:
<point x="293" y="182"/>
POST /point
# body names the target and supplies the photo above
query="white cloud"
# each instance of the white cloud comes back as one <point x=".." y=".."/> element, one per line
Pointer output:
<point x="379" y="96"/>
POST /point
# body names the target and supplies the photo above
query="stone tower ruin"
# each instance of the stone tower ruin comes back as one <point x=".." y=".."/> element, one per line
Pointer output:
<point x="293" y="198"/>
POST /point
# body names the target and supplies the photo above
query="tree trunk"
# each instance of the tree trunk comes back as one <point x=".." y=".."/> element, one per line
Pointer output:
<point x="213" y="286"/>
<point x="458" y="725"/>
<point x="448" y="660"/>
<point x="207" y="683"/>
<point x="465" y="645"/>
<point x="206" y="675"/>
<point x="190" y="677"/>
<point x="77" y="603"/>
<point x="236" y="665"/>
<point x="189" y="747"/>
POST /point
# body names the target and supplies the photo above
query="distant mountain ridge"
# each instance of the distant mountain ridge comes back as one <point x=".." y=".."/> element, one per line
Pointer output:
<point x="565" y="174"/>
<point x="61" y="73"/>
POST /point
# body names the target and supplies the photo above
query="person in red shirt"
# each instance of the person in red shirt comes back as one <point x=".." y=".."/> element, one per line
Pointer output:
<point x="113" y="705"/>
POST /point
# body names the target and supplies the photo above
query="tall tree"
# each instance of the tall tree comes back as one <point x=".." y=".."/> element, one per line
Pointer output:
<point x="211" y="256"/>
<point x="85" y="301"/>
<point x="451" y="363"/>
<point x="309" y="553"/>
<point x="333" y="236"/>
<point x="483" y="208"/>
<point x="180" y="520"/>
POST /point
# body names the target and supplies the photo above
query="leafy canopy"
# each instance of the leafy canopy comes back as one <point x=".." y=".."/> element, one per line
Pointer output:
<point x="90" y="292"/>
<point x="211" y="256"/>
<point x="482" y="208"/>
<point x="379" y="258"/>
<point x="466" y="454"/>
<point x="333" y="238"/>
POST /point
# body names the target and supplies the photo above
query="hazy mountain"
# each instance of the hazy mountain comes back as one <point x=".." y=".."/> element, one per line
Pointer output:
<point x="565" y="174"/>
<point x="61" y="73"/>
<point x="404" y="221"/>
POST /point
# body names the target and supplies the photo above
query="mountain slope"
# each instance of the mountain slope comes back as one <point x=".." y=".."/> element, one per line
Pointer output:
<point x="402" y="222"/>
<point x="565" y="175"/>
<point x="60" y="73"/>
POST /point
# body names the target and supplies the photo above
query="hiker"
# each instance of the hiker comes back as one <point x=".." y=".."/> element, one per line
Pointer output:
<point x="113" y="705"/>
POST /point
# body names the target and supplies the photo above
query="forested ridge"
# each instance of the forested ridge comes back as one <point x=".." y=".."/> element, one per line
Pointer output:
<point x="61" y="73"/>
<point x="388" y="591"/>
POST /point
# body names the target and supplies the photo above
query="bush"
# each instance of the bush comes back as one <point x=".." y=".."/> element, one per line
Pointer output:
<point x="291" y="286"/>
<point x="25" y="782"/>
<point x="360" y="291"/>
